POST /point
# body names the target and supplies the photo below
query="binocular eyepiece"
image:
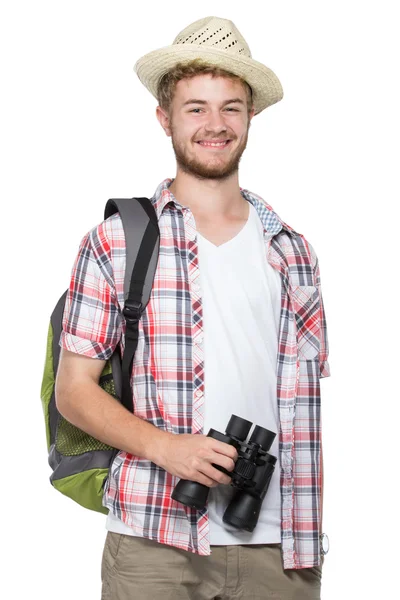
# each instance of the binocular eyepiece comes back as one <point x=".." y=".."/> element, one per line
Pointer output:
<point x="251" y="476"/>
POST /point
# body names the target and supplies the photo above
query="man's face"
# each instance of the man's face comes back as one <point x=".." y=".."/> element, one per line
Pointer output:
<point x="219" y="115"/>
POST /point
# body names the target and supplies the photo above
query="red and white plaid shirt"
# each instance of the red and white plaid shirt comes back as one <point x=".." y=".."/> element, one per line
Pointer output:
<point x="168" y="370"/>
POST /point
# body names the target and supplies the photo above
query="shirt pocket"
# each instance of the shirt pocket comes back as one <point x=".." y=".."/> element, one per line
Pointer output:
<point x="305" y="301"/>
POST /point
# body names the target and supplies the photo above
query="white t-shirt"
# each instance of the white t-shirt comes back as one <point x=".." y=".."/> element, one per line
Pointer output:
<point x="241" y="296"/>
<point x="241" y="310"/>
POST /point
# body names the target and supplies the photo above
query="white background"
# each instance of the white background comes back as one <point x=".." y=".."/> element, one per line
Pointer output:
<point x="78" y="127"/>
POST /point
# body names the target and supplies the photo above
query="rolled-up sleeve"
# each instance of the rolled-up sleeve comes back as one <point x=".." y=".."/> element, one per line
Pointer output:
<point x="324" y="367"/>
<point x="325" y="370"/>
<point x="92" y="317"/>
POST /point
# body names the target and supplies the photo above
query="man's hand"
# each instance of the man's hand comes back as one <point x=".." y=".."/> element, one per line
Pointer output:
<point x="190" y="456"/>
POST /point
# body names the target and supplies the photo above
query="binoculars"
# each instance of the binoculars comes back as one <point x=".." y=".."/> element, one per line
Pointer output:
<point x="251" y="476"/>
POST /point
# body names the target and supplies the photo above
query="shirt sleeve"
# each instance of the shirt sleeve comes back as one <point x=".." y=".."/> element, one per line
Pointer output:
<point x="324" y="367"/>
<point x="92" y="316"/>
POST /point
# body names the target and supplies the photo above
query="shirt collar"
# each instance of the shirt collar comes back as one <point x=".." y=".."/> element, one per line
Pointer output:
<point x="272" y="223"/>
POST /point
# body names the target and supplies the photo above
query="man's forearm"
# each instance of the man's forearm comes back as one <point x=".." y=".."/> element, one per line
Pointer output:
<point x="87" y="406"/>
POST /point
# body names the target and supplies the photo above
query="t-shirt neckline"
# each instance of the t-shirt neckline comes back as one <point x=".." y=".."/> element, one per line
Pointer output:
<point x="245" y="226"/>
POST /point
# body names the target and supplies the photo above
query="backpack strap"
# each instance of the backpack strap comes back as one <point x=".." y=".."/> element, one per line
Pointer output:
<point x="142" y="239"/>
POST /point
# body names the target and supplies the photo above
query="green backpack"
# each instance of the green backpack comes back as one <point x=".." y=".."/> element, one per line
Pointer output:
<point x="80" y="464"/>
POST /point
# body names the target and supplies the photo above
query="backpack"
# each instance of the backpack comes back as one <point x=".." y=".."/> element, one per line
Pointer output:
<point x="80" y="464"/>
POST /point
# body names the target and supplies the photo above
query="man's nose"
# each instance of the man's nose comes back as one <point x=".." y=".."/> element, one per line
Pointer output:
<point x="216" y="122"/>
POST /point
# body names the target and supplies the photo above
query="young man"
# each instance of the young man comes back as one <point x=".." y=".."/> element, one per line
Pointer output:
<point x="235" y="325"/>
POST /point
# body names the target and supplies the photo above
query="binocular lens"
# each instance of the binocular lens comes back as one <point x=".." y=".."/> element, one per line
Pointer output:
<point x="262" y="436"/>
<point x="238" y="427"/>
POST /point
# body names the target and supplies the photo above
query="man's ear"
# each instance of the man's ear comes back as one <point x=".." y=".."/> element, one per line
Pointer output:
<point x="251" y="115"/>
<point x="164" y="120"/>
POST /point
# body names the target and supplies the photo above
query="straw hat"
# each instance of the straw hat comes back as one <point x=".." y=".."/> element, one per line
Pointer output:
<point x="218" y="42"/>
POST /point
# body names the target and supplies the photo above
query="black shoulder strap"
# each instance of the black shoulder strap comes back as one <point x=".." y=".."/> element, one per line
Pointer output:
<point x="142" y="239"/>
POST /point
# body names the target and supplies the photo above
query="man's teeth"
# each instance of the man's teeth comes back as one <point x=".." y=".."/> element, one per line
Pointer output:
<point x="213" y="143"/>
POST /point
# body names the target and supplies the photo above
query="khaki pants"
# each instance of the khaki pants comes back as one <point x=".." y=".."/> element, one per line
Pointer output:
<point x="142" y="569"/>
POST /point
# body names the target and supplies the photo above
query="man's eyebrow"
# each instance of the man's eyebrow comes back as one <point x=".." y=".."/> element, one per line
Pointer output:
<point x="196" y="101"/>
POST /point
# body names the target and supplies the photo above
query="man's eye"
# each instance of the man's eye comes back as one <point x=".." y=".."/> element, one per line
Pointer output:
<point x="229" y="108"/>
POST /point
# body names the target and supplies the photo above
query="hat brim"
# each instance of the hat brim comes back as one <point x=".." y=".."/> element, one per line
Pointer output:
<point x="267" y="88"/>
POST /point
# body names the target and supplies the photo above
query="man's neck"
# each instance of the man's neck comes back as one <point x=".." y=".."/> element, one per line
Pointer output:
<point x="210" y="198"/>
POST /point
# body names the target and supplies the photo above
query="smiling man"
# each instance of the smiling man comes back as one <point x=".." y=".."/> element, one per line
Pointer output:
<point x="210" y="152"/>
<point x="235" y="325"/>
<point x="208" y="120"/>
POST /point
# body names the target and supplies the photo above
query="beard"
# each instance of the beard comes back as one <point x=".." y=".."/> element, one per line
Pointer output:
<point x="211" y="165"/>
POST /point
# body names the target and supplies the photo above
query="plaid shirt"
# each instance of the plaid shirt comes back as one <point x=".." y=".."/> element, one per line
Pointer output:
<point x="168" y="370"/>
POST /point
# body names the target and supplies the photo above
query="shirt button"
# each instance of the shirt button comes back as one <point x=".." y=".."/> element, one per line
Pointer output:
<point x="199" y="393"/>
<point x="196" y="287"/>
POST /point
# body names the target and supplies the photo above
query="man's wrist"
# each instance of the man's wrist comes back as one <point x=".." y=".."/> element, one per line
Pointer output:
<point x="157" y="449"/>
